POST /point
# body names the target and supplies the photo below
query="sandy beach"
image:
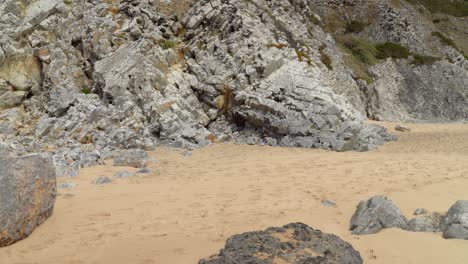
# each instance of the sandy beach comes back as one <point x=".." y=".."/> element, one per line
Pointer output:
<point x="189" y="205"/>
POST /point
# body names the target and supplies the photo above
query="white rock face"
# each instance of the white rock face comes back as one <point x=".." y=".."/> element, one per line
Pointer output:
<point x="93" y="77"/>
<point x="429" y="93"/>
<point x="40" y="10"/>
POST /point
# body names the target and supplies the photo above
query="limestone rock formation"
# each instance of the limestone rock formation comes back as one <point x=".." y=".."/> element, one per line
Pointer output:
<point x="456" y="222"/>
<point x="83" y="79"/>
<point x="27" y="194"/>
<point x="375" y="214"/>
<point x="421" y="72"/>
<point x="291" y="244"/>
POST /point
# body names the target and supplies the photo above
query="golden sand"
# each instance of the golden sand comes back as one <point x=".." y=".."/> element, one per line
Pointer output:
<point x="189" y="206"/>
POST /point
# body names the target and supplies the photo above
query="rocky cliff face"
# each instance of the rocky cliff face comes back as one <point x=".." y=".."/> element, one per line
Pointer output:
<point x="84" y="78"/>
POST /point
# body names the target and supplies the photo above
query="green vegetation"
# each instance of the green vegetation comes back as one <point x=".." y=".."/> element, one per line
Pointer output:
<point x="423" y="60"/>
<point x="302" y="56"/>
<point x="440" y="20"/>
<point x="167" y="44"/>
<point x="360" y="53"/>
<point x="391" y="50"/>
<point x="445" y="40"/>
<point x="67" y="2"/>
<point x="368" y="53"/>
<point x="458" y="8"/>
<point x="355" y="26"/>
<point x="333" y="23"/>
<point x="362" y="49"/>
<point x="85" y="90"/>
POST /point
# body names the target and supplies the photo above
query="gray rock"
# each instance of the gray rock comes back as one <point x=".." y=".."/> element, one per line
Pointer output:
<point x="27" y="195"/>
<point x="11" y="98"/>
<point x="375" y="214"/>
<point x="39" y="10"/>
<point x="67" y="185"/>
<point x="144" y="171"/>
<point x="102" y="180"/>
<point x="420" y="211"/>
<point x="402" y="128"/>
<point x="134" y="158"/>
<point x="123" y="174"/>
<point x="456" y="221"/>
<point x="328" y="203"/>
<point x="402" y="94"/>
<point x="427" y="223"/>
<point x="2" y="56"/>
<point x="261" y="79"/>
<point x="292" y="243"/>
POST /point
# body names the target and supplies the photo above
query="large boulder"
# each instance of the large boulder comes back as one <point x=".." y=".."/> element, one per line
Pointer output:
<point x="293" y="243"/>
<point x="426" y="223"/>
<point x="456" y="222"/>
<point x="375" y="214"/>
<point x="293" y="108"/>
<point x="27" y="194"/>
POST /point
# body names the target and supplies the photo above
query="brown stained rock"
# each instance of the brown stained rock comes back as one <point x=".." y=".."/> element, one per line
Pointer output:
<point x="294" y="243"/>
<point x="27" y="195"/>
<point x="22" y="72"/>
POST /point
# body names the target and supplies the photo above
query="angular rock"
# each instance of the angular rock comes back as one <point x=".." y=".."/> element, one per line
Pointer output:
<point x="10" y="99"/>
<point x="39" y="10"/>
<point x="420" y="211"/>
<point x="144" y="171"/>
<point x="123" y="174"/>
<point x="291" y="244"/>
<point x="428" y="223"/>
<point x="402" y="128"/>
<point x="133" y="157"/>
<point x="27" y="195"/>
<point x="314" y="116"/>
<point x="375" y="214"/>
<point x="456" y="222"/>
<point x="328" y="203"/>
<point x="67" y="185"/>
<point x="128" y="76"/>
<point x="102" y="180"/>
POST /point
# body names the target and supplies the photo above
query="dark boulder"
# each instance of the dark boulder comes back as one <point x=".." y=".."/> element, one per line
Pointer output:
<point x="294" y="243"/>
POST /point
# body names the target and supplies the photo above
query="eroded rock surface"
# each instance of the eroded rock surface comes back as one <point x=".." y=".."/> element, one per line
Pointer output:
<point x="432" y="222"/>
<point x="375" y="214"/>
<point x="133" y="157"/>
<point x="379" y="212"/>
<point x="27" y="194"/>
<point x="291" y="244"/>
<point x="456" y="222"/>
<point x="83" y="79"/>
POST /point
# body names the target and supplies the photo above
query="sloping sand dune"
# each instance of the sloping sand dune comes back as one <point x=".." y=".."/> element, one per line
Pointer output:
<point x="189" y="206"/>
